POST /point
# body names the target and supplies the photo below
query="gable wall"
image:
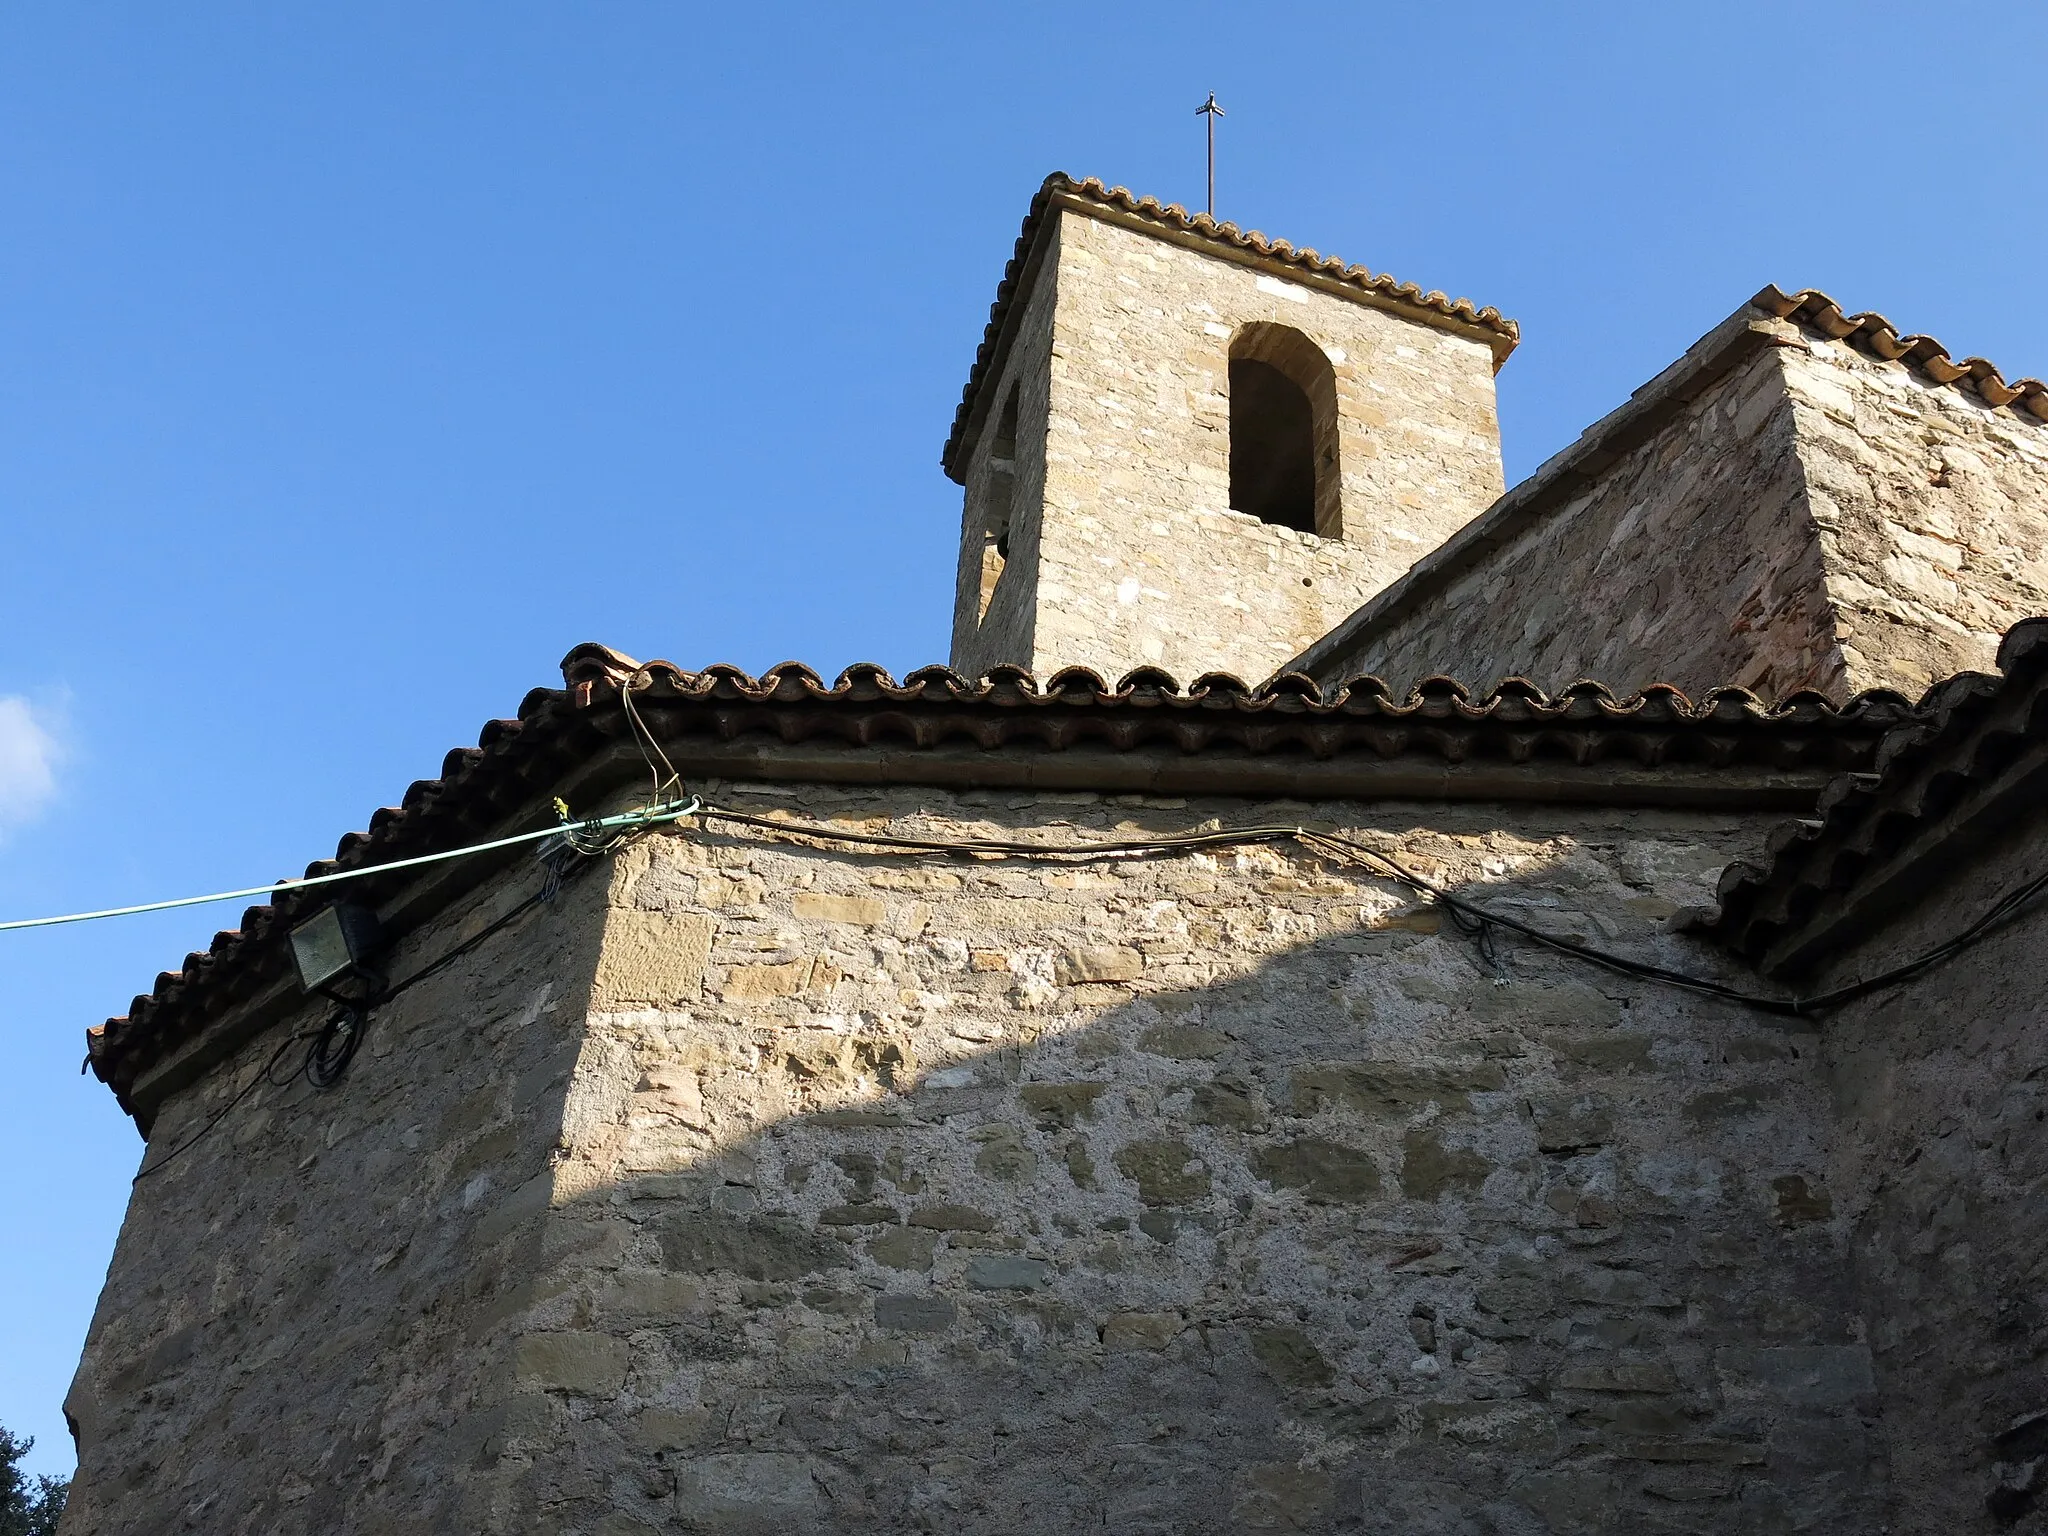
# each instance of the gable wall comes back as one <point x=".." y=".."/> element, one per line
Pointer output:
<point x="1932" y="514"/>
<point x="1816" y="518"/>
<point x="1689" y="561"/>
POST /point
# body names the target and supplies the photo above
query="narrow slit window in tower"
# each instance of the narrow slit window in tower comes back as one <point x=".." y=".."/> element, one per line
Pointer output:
<point x="1001" y="495"/>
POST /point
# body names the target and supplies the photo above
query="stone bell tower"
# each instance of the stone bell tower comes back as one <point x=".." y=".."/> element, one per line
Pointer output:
<point x="1188" y="446"/>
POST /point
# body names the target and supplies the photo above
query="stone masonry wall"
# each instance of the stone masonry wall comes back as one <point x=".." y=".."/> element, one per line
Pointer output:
<point x="1218" y="1193"/>
<point x="1691" y="561"/>
<point x="1007" y="632"/>
<point x="1814" y="519"/>
<point x="1932" y="511"/>
<point x="1140" y="561"/>
<point x="306" y="1325"/>
<point x="1941" y="1175"/>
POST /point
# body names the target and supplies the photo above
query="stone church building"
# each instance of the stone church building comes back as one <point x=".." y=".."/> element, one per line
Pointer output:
<point x="1190" y="1065"/>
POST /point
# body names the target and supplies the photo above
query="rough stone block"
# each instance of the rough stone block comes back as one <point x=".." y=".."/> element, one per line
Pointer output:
<point x="1282" y="1496"/>
<point x="1056" y="1106"/>
<point x="952" y="1218"/>
<point x="1006" y="1272"/>
<point x="915" y="1314"/>
<point x="650" y="959"/>
<point x="1291" y="1356"/>
<point x="1430" y="1168"/>
<point x="754" y="1491"/>
<point x="589" y="1364"/>
<point x="765" y="983"/>
<point x="1382" y="1088"/>
<point x="1128" y="1331"/>
<point x="1571" y="1122"/>
<point x="1619" y="1376"/>
<point x="858" y="911"/>
<point x="1165" y="1170"/>
<point x="1725" y="1453"/>
<point x="674" y="1090"/>
<point x="1226" y="1103"/>
<point x="1324" y="1171"/>
<point x="1798" y="1203"/>
<point x="1185" y="1042"/>
<point x="672" y="1429"/>
<point x="649" y="1293"/>
<point x="905" y="1249"/>
<point x="1098" y="962"/>
<point x="758" y="1247"/>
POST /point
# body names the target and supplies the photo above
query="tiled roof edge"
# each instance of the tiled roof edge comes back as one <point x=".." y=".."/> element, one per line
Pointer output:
<point x="594" y="671"/>
<point x="1872" y="333"/>
<point x="1868" y="850"/>
<point x="1092" y="196"/>
<point x="517" y="763"/>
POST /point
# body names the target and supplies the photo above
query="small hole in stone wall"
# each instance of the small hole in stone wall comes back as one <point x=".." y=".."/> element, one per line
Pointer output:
<point x="1306" y="582"/>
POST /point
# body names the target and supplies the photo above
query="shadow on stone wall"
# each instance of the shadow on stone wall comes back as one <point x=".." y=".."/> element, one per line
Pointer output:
<point x="1374" y="1235"/>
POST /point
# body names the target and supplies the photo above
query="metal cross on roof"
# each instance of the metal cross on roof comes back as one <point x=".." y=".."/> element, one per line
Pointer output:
<point x="1210" y="110"/>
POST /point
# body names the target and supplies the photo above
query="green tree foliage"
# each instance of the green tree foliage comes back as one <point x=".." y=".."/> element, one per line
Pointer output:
<point x="28" y="1507"/>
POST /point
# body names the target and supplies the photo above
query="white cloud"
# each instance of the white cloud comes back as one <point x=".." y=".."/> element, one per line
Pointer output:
<point x="28" y="761"/>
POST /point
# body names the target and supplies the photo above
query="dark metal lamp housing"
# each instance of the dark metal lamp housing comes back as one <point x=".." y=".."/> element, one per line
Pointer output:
<point x="334" y="945"/>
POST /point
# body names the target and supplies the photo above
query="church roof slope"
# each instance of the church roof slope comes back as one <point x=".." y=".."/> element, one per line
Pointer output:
<point x="1772" y="318"/>
<point x="1171" y="221"/>
<point x="1073" y="731"/>
<point x="1959" y="775"/>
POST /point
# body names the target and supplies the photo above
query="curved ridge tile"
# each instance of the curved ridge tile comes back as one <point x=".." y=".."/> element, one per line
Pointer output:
<point x="1504" y="333"/>
<point x="1222" y="686"/>
<point x="943" y="679"/>
<point x="2025" y="644"/>
<point x="1873" y="333"/>
<point x="1075" y="683"/>
<point x="1366" y="692"/>
<point x="1148" y="682"/>
<point x="516" y="760"/>
<point x="1965" y="735"/>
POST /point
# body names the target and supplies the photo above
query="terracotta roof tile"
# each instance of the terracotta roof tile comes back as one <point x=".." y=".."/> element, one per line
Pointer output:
<point x="1939" y="785"/>
<point x="1874" y="334"/>
<point x="1245" y="245"/>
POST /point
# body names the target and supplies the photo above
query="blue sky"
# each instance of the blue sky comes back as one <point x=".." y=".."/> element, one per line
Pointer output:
<point x="355" y="362"/>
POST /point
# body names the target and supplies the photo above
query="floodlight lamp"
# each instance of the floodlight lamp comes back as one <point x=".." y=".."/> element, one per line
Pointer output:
<point x="334" y="944"/>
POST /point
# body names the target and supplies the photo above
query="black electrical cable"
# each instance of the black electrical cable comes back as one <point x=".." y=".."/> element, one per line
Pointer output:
<point x="1171" y="842"/>
<point x="497" y="925"/>
<point x="1470" y="917"/>
<point x="2007" y="906"/>
<point x="222" y="1113"/>
<point x="1477" y="920"/>
<point x="333" y="1046"/>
